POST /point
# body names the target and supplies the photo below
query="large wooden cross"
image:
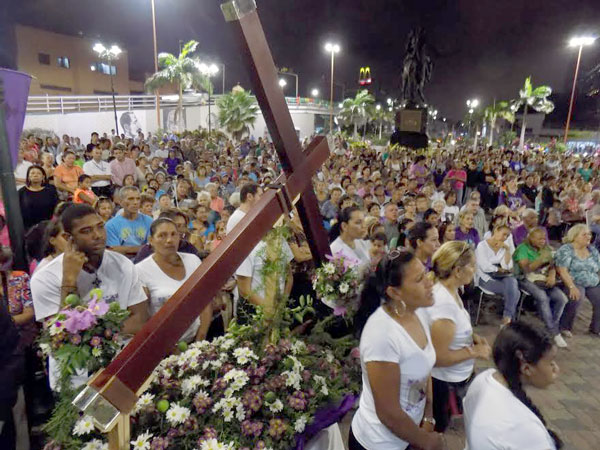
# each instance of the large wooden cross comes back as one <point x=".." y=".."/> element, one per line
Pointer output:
<point x="122" y="379"/>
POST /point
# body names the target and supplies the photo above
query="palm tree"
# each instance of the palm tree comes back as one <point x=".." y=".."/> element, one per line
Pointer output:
<point x="381" y="116"/>
<point x="237" y="112"/>
<point x="498" y="109"/>
<point x="356" y="110"/>
<point x="535" y="98"/>
<point x="183" y="71"/>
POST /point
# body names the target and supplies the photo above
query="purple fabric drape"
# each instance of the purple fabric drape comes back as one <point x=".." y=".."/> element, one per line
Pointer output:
<point x="16" y="91"/>
<point x="324" y="418"/>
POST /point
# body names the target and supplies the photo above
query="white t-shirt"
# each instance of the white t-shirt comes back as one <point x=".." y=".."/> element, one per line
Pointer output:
<point x="449" y="214"/>
<point x="234" y="219"/>
<point x="359" y="253"/>
<point x="21" y="172"/>
<point x="92" y="167"/>
<point x="497" y="420"/>
<point x="446" y="308"/>
<point x="253" y="264"/>
<point x="116" y="276"/>
<point x="383" y="339"/>
<point x="162" y="287"/>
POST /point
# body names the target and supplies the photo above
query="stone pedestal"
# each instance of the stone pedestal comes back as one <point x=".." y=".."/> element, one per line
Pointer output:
<point x="411" y="128"/>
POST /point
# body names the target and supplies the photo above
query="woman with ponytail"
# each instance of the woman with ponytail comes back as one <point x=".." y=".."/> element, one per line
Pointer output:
<point x="456" y="346"/>
<point x="498" y="412"/>
<point x="396" y="358"/>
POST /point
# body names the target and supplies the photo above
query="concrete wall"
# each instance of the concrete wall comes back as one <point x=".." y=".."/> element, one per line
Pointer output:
<point x="79" y="79"/>
<point x="82" y="124"/>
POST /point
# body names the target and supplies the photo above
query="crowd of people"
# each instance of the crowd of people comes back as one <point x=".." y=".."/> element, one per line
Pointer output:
<point x="430" y="230"/>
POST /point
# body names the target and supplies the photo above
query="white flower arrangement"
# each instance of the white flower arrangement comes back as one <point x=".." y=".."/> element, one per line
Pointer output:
<point x="142" y="442"/>
<point x="177" y="414"/>
<point x="83" y="426"/>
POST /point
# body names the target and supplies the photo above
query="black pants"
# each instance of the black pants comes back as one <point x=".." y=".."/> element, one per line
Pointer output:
<point x="353" y="444"/>
<point x="441" y="400"/>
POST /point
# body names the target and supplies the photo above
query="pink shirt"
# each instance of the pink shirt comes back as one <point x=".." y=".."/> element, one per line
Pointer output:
<point x="4" y="238"/>
<point x="460" y="174"/>
<point x="119" y="170"/>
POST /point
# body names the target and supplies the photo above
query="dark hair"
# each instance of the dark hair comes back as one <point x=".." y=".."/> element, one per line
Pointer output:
<point x="53" y="228"/>
<point x="158" y="222"/>
<point x="522" y="342"/>
<point x="145" y="198"/>
<point x="418" y="233"/>
<point x="343" y="217"/>
<point x="171" y="213"/>
<point x="389" y="272"/>
<point x="247" y="189"/>
<point x="75" y="212"/>
<point x="94" y="133"/>
<point x="379" y="237"/>
<point x="33" y="237"/>
<point x="370" y="205"/>
<point x="38" y="167"/>
<point x="67" y="153"/>
<point x="443" y="228"/>
<point x="60" y="208"/>
<point x="83" y="177"/>
<point x="428" y="213"/>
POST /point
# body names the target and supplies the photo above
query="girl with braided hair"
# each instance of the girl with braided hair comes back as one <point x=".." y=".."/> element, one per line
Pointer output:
<point x="498" y="413"/>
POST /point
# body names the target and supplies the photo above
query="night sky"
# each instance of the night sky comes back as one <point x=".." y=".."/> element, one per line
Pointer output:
<point x="481" y="48"/>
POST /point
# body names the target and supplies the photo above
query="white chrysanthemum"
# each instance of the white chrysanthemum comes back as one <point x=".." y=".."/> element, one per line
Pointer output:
<point x="83" y="426"/>
<point x="227" y="415"/>
<point x="46" y="349"/>
<point x="144" y="401"/>
<point x="193" y="364"/>
<point x="244" y="355"/>
<point x="177" y="414"/>
<point x="298" y="347"/>
<point x="213" y="444"/>
<point x="216" y="364"/>
<point x="240" y="412"/>
<point x="276" y="406"/>
<point x="55" y="329"/>
<point x="292" y="379"/>
<point x="191" y="384"/>
<point x="329" y="268"/>
<point x="324" y="390"/>
<point x="227" y="344"/>
<point x="142" y="442"/>
<point x="96" y="352"/>
<point x="329" y="356"/>
<point x="298" y="367"/>
<point x="95" y="444"/>
<point x="239" y="377"/>
<point x="344" y="288"/>
<point x="300" y="424"/>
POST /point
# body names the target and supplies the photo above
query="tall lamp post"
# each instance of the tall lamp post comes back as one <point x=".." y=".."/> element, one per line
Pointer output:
<point x="333" y="49"/>
<point x="293" y="75"/>
<point x="209" y="71"/>
<point x="472" y="104"/>
<point x="110" y="54"/>
<point x="155" y="63"/>
<point x="580" y="42"/>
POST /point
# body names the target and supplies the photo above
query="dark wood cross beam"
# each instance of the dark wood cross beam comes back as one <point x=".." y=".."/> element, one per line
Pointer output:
<point x="119" y="382"/>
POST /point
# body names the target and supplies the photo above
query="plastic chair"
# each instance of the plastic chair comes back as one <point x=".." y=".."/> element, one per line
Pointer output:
<point x="483" y="291"/>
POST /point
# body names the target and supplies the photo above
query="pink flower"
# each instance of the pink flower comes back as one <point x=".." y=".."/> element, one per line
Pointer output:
<point x="79" y="320"/>
<point x="339" y="311"/>
<point x="98" y="308"/>
<point x="355" y="352"/>
<point x="95" y="341"/>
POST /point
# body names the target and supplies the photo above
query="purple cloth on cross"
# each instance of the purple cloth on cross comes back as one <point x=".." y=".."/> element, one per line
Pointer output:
<point x="16" y="92"/>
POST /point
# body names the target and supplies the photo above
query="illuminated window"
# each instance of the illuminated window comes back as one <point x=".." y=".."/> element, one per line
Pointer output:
<point x="64" y="62"/>
<point x="104" y="68"/>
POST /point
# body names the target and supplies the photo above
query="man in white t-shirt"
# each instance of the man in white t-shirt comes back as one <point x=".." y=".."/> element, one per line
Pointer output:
<point x="249" y="196"/>
<point x="21" y="170"/>
<point x="99" y="170"/>
<point x="84" y="266"/>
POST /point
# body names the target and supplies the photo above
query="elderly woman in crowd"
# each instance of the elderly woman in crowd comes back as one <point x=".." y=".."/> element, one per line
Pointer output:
<point x="495" y="270"/>
<point x="578" y="264"/>
<point x="465" y="230"/>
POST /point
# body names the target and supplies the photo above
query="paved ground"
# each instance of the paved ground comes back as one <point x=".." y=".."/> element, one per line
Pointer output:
<point x="572" y="405"/>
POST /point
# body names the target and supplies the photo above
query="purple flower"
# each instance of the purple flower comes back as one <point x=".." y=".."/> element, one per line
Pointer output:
<point x="76" y="339"/>
<point x="277" y="428"/>
<point x="95" y="341"/>
<point x="201" y="402"/>
<point x="79" y="320"/>
<point x="339" y="311"/>
<point x="298" y="401"/>
<point x="159" y="443"/>
<point x="98" y="308"/>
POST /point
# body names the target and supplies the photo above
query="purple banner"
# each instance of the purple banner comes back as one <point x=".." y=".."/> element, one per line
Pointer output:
<point x="16" y="91"/>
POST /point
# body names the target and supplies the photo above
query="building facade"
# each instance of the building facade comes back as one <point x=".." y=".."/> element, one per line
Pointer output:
<point x="67" y="65"/>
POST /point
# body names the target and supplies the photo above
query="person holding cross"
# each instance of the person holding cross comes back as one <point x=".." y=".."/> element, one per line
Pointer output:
<point x="85" y="265"/>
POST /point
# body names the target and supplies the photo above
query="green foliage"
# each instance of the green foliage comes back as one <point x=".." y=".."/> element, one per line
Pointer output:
<point x="507" y="138"/>
<point x="237" y="112"/>
<point x="534" y="98"/>
<point x="356" y="111"/>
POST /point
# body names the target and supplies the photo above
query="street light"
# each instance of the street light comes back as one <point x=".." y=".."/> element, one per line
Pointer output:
<point x="378" y="107"/>
<point x="110" y="54"/>
<point x="282" y="83"/>
<point x="579" y="41"/>
<point x="292" y="74"/>
<point x="333" y="49"/>
<point x="473" y="104"/>
<point x="314" y="92"/>
<point x="209" y="71"/>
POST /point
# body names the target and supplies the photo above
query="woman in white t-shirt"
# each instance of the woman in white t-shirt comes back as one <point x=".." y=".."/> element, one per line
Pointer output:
<point x="456" y="346"/>
<point x="396" y="358"/>
<point x="351" y="242"/>
<point x="498" y="413"/>
<point x="166" y="270"/>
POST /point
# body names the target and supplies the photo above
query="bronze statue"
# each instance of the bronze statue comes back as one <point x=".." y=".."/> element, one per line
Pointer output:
<point x="416" y="70"/>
